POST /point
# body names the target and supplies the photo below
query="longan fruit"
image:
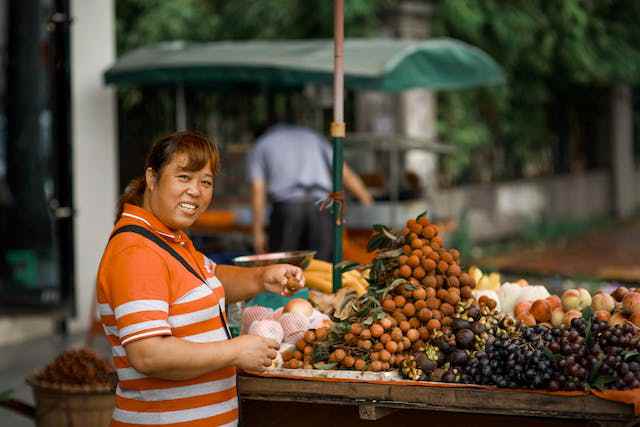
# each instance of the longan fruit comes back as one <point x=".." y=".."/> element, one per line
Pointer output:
<point x="454" y="270"/>
<point x="385" y="355"/>
<point x="406" y="249"/>
<point x="447" y="321"/>
<point x="439" y="281"/>
<point x="340" y="355"/>
<point x="442" y="267"/>
<point x="413" y="261"/>
<point x="399" y="315"/>
<point x="465" y="292"/>
<point x="437" y="241"/>
<point x="433" y="303"/>
<point x="348" y="362"/>
<point x="374" y="356"/>
<point x="287" y="355"/>
<point x="404" y="326"/>
<point x="297" y="355"/>
<point x="419" y="272"/>
<point x="434" y="324"/>
<point x="428" y="264"/>
<point x="376" y="330"/>
<point x="418" y="253"/>
<point x="453" y="298"/>
<point x="365" y="334"/>
<point x="308" y="350"/>
<point x="365" y="344"/>
<point x="436" y="314"/>
<point x="446" y="257"/>
<point x="429" y="231"/>
<point x="417" y="243"/>
<point x="396" y="335"/>
<point x="414" y="322"/>
<point x="412" y="236"/>
<point x="429" y="282"/>
<point x="386" y="323"/>
<point x="455" y="254"/>
<point x="405" y="231"/>
<point x="385" y="338"/>
<point x="391" y="346"/>
<point x="301" y="344"/>
<point x="411" y="222"/>
<point x="356" y="329"/>
<point x="378" y="346"/>
<point x="442" y="294"/>
<point x="419" y="294"/>
<point x="349" y="338"/>
<point x="424" y="333"/>
<point x="388" y="304"/>
<point x="420" y="304"/>
<point x="310" y="337"/>
<point x="409" y="309"/>
<point x="376" y="366"/>
<point x="431" y="292"/>
<point x="435" y="246"/>
<point x="425" y="314"/>
<point x="413" y="335"/>
<point x="402" y="259"/>
<point x="406" y="343"/>
<point x="360" y="365"/>
<point x="465" y="279"/>
<point x="423" y="221"/>
<point x="405" y="271"/>
<point x="322" y="333"/>
<point x="399" y="300"/>
<point x="447" y="309"/>
<point x="453" y="282"/>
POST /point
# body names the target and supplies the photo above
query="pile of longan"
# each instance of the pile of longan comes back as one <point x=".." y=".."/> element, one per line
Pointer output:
<point x="302" y="356"/>
<point x="436" y="281"/>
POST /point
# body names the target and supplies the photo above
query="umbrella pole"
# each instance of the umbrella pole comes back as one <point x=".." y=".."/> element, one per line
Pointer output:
<point x="181" y="108"/>
<point x="338" y="134"/>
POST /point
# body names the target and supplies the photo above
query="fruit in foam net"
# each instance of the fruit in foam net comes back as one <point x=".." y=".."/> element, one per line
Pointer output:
<point x="631" y="303"/>
<point x="585" y="298"/>
<point x="603" y="302"/>
<point x="571" y="299"/>
<point x="541" y="311"/>
<point x="557" y="317"/>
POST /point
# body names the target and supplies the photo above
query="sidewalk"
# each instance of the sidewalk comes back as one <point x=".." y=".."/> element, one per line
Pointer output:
<point x="18" y="360"/>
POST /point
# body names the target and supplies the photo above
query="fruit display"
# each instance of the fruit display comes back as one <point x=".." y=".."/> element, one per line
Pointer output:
<point x="318" y="275"/>
<point x="77" y="368"/>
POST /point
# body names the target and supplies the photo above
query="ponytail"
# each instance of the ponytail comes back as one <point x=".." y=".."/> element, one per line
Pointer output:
<point x="133" y="194"/>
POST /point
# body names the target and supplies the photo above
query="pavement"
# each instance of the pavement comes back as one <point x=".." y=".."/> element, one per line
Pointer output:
<point x="609" y="254"/>
<point x="18" y="360"/>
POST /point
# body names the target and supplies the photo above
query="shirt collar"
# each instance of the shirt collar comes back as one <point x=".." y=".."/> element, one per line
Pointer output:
<point x="137" y="213"/>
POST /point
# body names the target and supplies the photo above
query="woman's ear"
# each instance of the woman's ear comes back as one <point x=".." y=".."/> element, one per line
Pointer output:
<point x="150" y="178"/>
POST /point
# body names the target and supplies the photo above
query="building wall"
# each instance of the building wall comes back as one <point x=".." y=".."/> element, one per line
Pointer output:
<point x="94" y="144"/>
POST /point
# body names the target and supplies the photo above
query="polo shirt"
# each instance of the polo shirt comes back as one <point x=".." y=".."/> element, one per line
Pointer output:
<point x="142" y="292"/>
<point x="294" y="162"/>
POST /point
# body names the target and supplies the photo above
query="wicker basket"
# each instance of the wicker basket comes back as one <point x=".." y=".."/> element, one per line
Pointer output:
<point x="72" y="406"/>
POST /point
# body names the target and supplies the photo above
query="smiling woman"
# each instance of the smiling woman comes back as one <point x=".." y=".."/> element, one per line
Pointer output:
<point x="162" y="302"/>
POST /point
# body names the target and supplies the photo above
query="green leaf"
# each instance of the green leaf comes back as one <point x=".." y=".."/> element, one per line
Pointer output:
<point x="376" y="242"/>
<point x="6" y="395"/>
<point x="587" y="315"/>
<point x="346" y="265"/>
<point x="368" y="321"/>
<point x="550" y="354"/>
<point x="627" y="355"/>
<point x="602" y="382"/>
<point x="325" y="365"/>
<point x="422" y="214"/>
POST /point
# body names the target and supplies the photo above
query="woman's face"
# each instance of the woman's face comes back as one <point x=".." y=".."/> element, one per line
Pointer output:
<point x="178" y="196"/>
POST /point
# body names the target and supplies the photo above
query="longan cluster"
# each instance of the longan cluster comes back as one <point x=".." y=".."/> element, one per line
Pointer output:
<point x="437" y="283"/>
<point x="302" y="356"/>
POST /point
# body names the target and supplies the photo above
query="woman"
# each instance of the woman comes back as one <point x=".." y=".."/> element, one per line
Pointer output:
<point x="161" y="301"/>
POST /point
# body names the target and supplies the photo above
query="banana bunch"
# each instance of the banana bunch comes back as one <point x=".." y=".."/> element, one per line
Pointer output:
<point x="489" y="282"/>
<point x="318" y="276"/>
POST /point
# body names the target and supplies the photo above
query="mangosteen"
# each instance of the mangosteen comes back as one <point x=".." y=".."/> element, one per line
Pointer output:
<point x="443" y="345"/>
<point x="464" y="338"/>
<point x="458" y="358"/>
<point x="461" y="324"/>
<point x="474" y="312"/>
<point x="477" y="328"/>
<point x="449" y="377"/>
<point x="427" y="365"/>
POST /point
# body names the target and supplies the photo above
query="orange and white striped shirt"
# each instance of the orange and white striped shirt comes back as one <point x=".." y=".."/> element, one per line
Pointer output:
<point x="143" y="292"/>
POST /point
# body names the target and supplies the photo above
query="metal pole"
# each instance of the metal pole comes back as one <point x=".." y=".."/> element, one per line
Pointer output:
<point x="181" y="108"/>
<point x="338" y="134"/>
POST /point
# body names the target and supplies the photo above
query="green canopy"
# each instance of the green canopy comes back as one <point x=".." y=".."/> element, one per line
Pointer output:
<point x="375" y="64"/>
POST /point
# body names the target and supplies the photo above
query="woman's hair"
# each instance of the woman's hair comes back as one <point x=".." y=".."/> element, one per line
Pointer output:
<point x="199" y="149"/>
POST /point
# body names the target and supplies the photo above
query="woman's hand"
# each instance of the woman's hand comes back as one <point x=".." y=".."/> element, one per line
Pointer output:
<point x="254" y="353"/>
<point x="283" y="279"/>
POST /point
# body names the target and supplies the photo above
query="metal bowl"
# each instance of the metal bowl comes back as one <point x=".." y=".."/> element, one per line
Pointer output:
<point x="298" y="258"/>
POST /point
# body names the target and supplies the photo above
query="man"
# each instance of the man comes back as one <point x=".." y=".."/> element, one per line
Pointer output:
<point x="291" y="166"/>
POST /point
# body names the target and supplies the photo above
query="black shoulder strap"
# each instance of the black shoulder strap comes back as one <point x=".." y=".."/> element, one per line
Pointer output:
<point x="158" y="241"/>
<point x="164" y="245"/>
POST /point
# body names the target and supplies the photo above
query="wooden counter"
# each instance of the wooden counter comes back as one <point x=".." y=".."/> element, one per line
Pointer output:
<point x="283" y="402"/>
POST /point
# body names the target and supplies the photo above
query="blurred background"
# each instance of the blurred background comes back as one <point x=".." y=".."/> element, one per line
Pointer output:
<point x="535" y="177"/>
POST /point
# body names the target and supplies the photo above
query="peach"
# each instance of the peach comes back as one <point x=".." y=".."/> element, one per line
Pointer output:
<point x="619" y="293"/>
<point x="541" y="311"/>
<point x="557" y="316"/>
<point x="527" y="319"/>
<point x="521" y="308"/>
<point x="554" y="302"/>
<point x="571" y="299"/>
<point x="631" y="303"/>
<point x="635" y="319"/>
<point x="602" y="315"/>
<point x="603" y="302"/>
<point x="585" y="298"/>
<point x="569" y="316"/>
<point x="617" y="319"/>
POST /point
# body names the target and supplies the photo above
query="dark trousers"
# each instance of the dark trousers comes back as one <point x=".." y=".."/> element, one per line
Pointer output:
<point x="301" y="226"/>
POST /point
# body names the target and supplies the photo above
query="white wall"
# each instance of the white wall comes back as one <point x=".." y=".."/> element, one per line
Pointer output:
<point x="94" y="143"/>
